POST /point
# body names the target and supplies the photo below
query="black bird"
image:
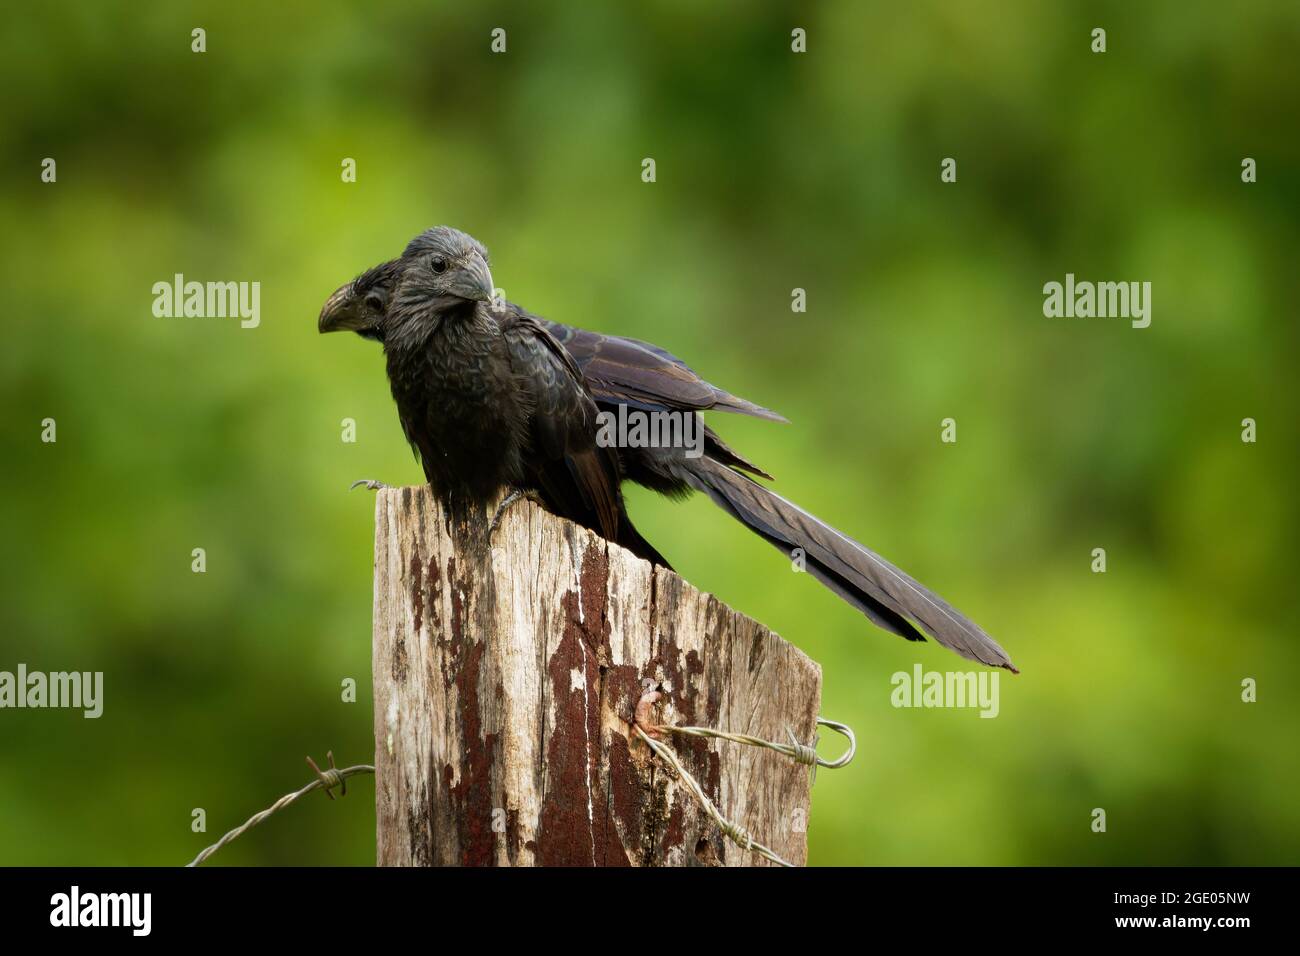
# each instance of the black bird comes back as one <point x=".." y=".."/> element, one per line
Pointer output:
<point x="492" y="397"/>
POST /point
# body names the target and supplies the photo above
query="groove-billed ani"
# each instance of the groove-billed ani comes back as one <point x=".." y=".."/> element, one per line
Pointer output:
<point x="492" y="397"/>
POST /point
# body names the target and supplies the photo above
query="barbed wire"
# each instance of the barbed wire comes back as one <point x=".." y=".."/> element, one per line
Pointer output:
<point x="796" y="751"/>
<point x="799" y="752"/>
<point x="326" y="779"/>
<point x="733" y="831"/>
<point x="332" y="777"/>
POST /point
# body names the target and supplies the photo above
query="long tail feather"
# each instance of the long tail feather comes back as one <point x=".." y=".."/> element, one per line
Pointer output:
<point x="887" y="595"/>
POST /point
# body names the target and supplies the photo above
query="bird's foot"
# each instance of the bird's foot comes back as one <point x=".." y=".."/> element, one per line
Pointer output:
<point x="367" y="483"/>
<point x="516" y="494"/>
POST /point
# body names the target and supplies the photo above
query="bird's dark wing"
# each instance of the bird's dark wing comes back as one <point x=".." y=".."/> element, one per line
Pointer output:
<point x="619" y="369"/>
<point x="580" y="478"/>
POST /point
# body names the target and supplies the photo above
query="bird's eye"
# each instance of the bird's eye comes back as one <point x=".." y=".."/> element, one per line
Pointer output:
<point x="439" y="265"/>
<point x="375" y="302"/>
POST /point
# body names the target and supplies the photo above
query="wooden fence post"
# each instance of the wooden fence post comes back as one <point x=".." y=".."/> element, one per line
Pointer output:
<point x="505" y="677"/>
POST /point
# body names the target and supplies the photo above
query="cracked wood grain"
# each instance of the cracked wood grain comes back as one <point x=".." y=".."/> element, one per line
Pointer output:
<point x="505" y="675"/>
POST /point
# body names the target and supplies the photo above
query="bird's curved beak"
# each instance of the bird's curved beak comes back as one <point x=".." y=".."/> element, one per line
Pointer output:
<point x="473" y="281"/>
<point x="342" y="312"/>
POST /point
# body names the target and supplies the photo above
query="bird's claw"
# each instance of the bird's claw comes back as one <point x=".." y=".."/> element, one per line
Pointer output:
<point x="367" y="483"/>
<point x="506" y="502"/>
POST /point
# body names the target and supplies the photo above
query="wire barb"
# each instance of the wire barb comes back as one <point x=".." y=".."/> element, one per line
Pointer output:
<point x="330" y="778"/>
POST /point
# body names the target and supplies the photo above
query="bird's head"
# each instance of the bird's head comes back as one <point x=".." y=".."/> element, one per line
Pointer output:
<point x="361" y="305"/>
<point x="443" y="267"/>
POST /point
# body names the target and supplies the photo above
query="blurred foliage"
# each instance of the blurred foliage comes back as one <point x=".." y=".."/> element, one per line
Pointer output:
<point x="774" y="171"/>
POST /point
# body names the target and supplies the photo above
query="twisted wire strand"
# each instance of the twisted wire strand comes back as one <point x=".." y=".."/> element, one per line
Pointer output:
<point x="325" y="779"/>
<point x="733" y="831"/>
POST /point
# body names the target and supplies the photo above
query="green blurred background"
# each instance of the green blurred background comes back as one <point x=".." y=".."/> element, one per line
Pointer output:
<point x="775" y="171"/>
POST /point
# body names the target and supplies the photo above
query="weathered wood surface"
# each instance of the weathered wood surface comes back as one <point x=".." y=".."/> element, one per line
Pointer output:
<point x="505" y="678"/>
